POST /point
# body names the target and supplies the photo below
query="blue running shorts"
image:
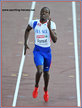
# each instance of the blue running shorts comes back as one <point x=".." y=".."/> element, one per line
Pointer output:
<point x="42" y="56"/>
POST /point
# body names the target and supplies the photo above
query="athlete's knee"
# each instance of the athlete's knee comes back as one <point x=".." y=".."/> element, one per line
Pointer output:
<point x="46" y="73"/>
<point x="40" y="69"/>
<point x="38" y="74"/>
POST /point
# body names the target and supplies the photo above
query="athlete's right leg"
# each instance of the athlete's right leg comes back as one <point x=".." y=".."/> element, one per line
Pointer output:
<point x="38" y="60"/>
<point x="38" y="75"/>
<point x="37" y="79"/>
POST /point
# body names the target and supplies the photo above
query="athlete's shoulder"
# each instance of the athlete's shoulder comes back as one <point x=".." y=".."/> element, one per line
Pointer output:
<point x="52" y="22"/>
<point x="35" y="20"/>
<point x="53" y="25"/>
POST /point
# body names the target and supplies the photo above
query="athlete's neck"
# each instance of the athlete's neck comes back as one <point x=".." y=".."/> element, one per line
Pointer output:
<point x="43" y="20"/>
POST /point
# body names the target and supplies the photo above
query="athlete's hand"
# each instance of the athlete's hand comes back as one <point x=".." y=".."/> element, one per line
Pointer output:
<point x="49" y="23"/>
<point x="25" y="48"/>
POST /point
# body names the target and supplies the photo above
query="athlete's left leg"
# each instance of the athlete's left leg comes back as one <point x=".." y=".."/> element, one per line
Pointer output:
<point x="47" y="63"/>
<point x="46" y="80"/>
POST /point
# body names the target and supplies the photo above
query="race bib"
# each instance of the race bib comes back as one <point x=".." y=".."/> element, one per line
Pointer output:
<point x="41" y="40"/>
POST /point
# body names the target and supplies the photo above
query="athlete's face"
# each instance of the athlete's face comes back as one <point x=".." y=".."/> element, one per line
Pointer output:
<point x="44" y="14"/>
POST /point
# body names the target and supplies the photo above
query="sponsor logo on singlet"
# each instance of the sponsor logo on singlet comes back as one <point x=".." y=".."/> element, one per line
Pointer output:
<point x="39" y="24"/>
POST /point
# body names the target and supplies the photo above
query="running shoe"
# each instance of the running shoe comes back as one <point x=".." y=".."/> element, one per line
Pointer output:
<point x="35" y="92"/>
<point x="46" y="96"/>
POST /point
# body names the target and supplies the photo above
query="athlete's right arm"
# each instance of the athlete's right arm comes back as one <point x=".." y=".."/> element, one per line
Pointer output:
<point x="27" y="31"/>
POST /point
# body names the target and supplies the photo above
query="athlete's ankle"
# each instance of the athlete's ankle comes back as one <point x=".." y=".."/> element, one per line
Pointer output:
<point x="36" y="86"/>
<point x="45" y="89"/>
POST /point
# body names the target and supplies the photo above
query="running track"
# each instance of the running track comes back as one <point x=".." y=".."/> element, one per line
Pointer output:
<point x="62" y="87"/>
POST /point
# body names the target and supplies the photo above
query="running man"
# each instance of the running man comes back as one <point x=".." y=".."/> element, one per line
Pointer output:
<point x="45" y="30"/>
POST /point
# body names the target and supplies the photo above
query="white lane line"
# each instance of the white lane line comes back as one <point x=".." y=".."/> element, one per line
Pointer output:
<point x="76" y="53"/>
<point x="22" y="63"/>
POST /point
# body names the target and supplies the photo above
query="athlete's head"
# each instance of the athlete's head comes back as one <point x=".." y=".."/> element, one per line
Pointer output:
<point x="44" y="13"/>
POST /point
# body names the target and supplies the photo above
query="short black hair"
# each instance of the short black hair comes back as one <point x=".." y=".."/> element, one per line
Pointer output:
<point x="47" y="8"/>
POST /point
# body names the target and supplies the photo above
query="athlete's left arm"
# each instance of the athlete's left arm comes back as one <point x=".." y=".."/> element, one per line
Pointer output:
<point x="53" y="33"/>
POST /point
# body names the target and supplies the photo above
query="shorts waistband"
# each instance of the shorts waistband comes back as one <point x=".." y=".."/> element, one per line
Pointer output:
<point x="45" y="49"/>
